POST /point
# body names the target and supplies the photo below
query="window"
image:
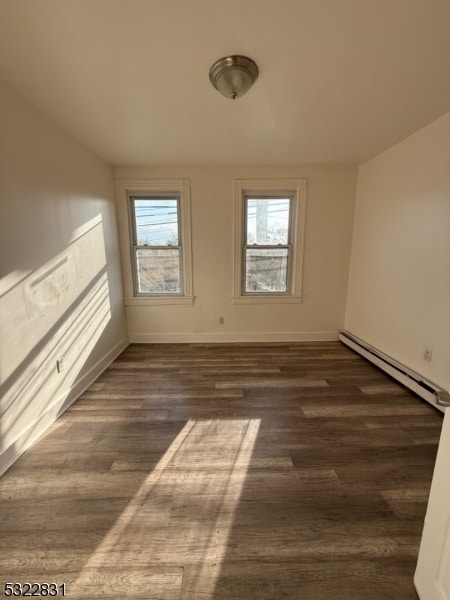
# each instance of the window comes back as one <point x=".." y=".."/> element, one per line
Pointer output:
<point x="269" y="240"/>
<point x="159" y="233"/>
<point x="157" y="246"/>
<point x="267" y="244"/>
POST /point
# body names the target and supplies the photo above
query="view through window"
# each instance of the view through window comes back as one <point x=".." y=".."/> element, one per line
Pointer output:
<point x="267" y="240"/>
<point x="157" y="245"/>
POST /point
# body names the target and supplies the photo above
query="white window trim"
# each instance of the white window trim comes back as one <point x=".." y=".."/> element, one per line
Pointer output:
<point x="125" y="189"/>
<point x="295" y="187"/>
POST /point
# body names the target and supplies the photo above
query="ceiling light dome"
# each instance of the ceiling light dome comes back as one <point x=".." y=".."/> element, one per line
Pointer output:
<point x="234" y="75"/>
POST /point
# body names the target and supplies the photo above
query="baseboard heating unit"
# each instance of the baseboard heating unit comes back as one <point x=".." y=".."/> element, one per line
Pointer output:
<point x="425" y="389"/>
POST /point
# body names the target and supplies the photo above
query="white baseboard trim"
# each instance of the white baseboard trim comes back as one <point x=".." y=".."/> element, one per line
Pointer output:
<point x="233" y="337"/>
<point x="39" y="426"/>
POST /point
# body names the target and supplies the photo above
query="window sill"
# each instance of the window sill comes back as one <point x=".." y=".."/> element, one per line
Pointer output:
<point x="266" y="299"/>
<point x="160" y="301"/>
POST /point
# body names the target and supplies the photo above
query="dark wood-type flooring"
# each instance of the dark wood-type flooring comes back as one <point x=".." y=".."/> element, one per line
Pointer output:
<point x="226" y="472"/>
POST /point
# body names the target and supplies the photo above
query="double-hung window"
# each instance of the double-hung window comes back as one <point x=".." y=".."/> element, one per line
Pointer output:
<point x="267" y="244"/>
<point x="159" y="231"/>
<point x="269" y="219"/>
<point x="157" y="248"/>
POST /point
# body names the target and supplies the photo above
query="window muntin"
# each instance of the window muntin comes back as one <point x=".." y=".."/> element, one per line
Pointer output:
<point x="157" y="247"/>
<point x="267" y="238"/>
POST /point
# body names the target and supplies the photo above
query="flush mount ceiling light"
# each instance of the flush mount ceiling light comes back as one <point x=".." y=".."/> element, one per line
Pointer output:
<point x="233" y="76"/>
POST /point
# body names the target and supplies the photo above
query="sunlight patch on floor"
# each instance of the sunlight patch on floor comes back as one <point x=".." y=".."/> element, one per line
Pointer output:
<point x="182" y="515"/>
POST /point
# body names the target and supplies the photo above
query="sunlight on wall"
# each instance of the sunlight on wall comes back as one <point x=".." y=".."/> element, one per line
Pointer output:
<point x="180" y="474"/>
<point x="55" y="312"/>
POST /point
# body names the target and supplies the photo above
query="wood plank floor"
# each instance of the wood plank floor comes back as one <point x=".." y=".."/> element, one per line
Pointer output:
<point x="226" y="472"/>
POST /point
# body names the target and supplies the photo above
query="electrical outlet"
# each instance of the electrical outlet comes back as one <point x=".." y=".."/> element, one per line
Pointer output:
<point x="222" y="320"/>
<point x="60" y="365"/>
<point x="427" y="354"/>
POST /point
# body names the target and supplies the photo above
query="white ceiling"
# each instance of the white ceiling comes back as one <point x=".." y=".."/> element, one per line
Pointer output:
<point x="340" y="80"/>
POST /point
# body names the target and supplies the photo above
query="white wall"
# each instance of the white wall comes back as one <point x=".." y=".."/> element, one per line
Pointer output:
<point x="329" y="217"/>
<point x="399" y="285"/>
<point x="60" y="284"/>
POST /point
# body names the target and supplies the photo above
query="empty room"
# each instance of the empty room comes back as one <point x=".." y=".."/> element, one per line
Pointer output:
<point x="225" y="299"/>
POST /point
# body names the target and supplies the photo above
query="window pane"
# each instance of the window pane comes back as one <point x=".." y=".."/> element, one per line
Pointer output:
<point x="267" y="221"/>
<point x="158" y="271"/>
<point x="266" y="270"/>
<point x="156" y="221"/>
